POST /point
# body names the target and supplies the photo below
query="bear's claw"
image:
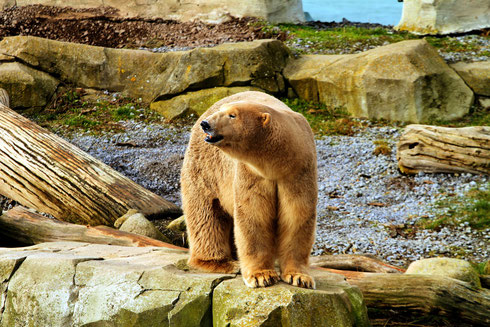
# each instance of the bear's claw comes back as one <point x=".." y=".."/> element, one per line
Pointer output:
<point x="262" y="278"/>
<point x="299" y="279"/>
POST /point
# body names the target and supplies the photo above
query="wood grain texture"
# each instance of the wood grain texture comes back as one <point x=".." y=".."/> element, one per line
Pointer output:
<point x="417" y="294"/>
<point x="29" y="228"/>
<point x="434" y="149"/>
<point x="43" y="171"/>
<point x="354" y="262"/>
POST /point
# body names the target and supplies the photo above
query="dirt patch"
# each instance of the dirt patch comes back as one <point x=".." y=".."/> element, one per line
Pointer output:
<point x="104" y="26"/>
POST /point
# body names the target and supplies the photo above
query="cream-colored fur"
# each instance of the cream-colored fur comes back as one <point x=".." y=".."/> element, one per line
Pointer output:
<point x="254" y="191"/>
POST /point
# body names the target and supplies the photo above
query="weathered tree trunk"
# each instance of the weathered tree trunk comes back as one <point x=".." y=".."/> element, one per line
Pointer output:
<point x="432" y="149"/>
<point x="29" y="228"/>
<point x="423" y="294"/>
<point x="41" y="170"/>
<point x="353" y="262"/>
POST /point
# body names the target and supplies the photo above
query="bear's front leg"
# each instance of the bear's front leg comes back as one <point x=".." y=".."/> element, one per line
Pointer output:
<point x="296" y="231"/>
<point x="254" y="223"/>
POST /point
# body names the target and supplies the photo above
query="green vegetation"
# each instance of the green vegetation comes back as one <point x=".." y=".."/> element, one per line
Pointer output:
<point x="73" y="110"/>
<point x="478" y="116"/>
<point x="311" y="40"/>
<point x="473" y="209"/>
<point x="324" y="120"/>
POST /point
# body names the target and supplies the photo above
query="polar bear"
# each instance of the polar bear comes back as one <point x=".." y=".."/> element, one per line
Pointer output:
<point x="249" y="188"/>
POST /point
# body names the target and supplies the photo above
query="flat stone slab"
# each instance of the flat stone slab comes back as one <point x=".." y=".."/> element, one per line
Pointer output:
<point x="80" y="284"/>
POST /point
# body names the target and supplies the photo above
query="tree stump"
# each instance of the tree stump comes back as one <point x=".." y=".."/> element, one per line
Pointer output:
<point x="434" y="149"/>
<point x="43" y="171"/>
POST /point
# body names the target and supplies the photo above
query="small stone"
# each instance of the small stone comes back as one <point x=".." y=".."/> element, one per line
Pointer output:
<point x="138" y="224"/>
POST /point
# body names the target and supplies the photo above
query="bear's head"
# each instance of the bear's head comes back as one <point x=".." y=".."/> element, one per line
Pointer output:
<point x="237" y="124"/>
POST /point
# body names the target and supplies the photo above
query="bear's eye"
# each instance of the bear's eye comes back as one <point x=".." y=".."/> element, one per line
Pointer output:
<point x="231" y="116"/>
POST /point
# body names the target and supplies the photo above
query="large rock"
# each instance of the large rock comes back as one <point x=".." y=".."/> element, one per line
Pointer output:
<point x="406" y="81"/>
<point x="333" y="303"/>
<point x="447" y="267"/>
<point x="444" y="16"/>
<point x="195" y="102"/>
<point x="27" y="87"/>
<point x="79" y="284"/>
<point x="147" y="75"/>
<point x="276" y="11"/>
<point x="476" y="75"/>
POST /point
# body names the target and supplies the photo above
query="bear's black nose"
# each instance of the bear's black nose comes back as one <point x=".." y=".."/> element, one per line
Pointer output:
<point x="205" y="126"/>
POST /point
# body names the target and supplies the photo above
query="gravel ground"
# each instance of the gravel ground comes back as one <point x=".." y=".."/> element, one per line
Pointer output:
<point x="365" y="205"/>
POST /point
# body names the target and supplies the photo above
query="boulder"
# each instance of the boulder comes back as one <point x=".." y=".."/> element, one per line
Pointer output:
<point x="80" y="284"/>
<point x="138" y="224"/>
<point x="276" y="11"/>
<point x="444" y="16"/>
<point x="333" y="303"/>
<point x="27" y="87"/>
<point x="195" y="102"/>
<point x="148" y="75"/>
<point x="476" y="75"/>
<point x="406" y="81"/>
<point x="447" y="267"/>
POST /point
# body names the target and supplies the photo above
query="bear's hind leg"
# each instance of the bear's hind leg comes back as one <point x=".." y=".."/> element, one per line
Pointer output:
<point x="210" y="236"/>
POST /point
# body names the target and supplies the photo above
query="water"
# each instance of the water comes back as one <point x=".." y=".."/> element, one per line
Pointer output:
<point x="386" y="12"/>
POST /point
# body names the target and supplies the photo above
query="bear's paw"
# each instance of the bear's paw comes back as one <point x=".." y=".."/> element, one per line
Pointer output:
<point x="299" y="279"/>
<point x="261" y="278"/>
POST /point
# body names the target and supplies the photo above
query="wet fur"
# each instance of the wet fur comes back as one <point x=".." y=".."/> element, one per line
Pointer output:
<point x="256" y="189"/>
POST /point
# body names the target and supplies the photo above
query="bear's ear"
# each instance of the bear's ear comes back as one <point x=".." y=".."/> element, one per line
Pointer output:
<point x="266" y="119"/>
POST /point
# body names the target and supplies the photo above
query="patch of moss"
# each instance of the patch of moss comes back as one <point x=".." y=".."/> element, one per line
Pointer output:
<point x="472" y="209"/>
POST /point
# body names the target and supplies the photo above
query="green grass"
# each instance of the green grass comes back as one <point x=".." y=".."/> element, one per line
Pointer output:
<point x="338" y="40"/>
<point x="478" y="116"/>
<point x="323" y="120"/>
<point x="473" y="208"/>
<point x="310" y="40"/>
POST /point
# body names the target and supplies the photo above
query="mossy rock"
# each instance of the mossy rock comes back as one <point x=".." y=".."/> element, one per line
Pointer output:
<point x="196" y="102"/>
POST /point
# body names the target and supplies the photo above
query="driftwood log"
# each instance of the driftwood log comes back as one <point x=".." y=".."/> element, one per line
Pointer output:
<point x="354" y="262"/>
<point x="29" y="228"/>
<point x="423" y="295"/>
<point x="434" y="149"/>
<point x="41" y="170"/>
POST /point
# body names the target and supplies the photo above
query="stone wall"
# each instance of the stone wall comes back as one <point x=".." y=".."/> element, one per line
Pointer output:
<point x="276" y="11"/>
